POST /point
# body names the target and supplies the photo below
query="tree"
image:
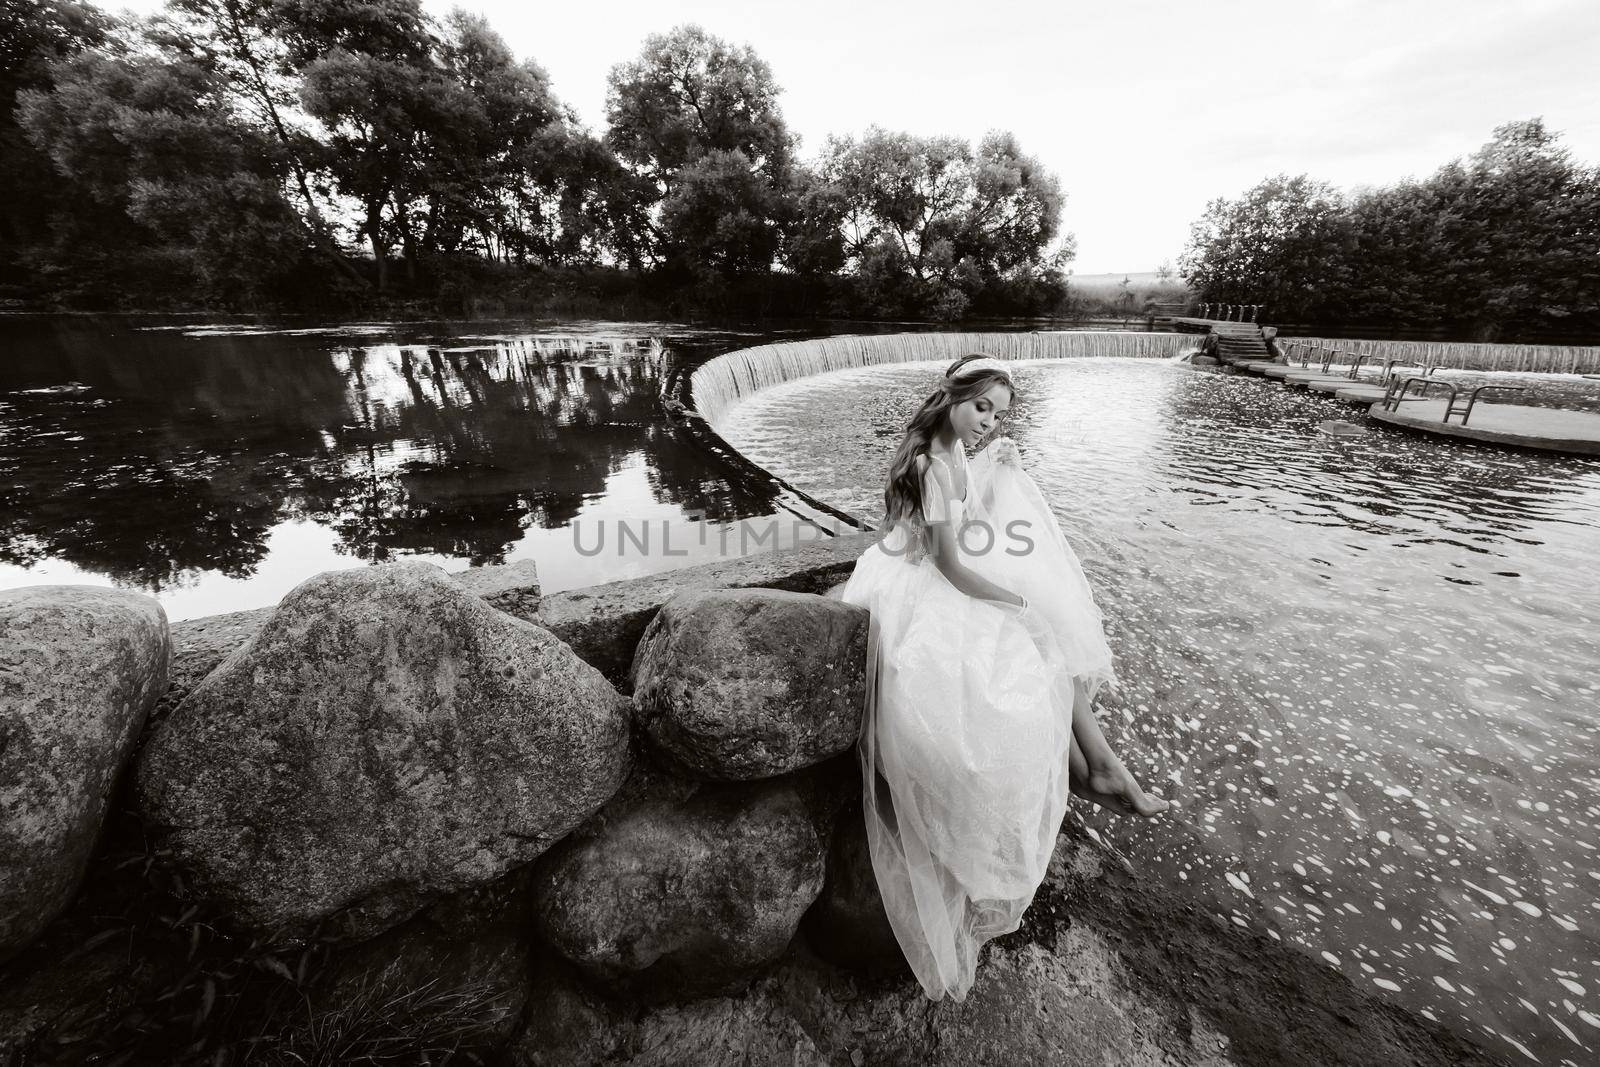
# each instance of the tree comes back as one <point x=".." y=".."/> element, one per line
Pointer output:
<point x="931" y="224"/>
<point x="164" y="186"/>
<point x="695" y="120"/>
<point x="34" y="36"/>
<point x="1531" y="219"/>
<point x="814" y="238"/>
<point x="1272" y="246"/>
<point x="368" y="77"/>
<point x="241" y="39"/>
<point x="1507" y="240"/>
<point x="485" y="177"/>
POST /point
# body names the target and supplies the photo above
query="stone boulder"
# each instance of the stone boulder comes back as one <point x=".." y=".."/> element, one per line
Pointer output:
<point x="603" y="623"/>
<point x="384" y="739"/>
<point x="80" y="668"/>
<point x="847" y="925"/>
<point x="751" y="683"/>
<point x="666" y="896"/>
<point x="198" y="645"/>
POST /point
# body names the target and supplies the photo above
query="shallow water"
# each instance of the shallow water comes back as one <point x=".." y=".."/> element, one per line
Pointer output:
<point x="218" y="465"/>
<point x="1366" y="666"/>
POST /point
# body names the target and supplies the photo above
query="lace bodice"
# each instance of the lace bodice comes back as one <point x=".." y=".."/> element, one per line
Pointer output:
<point x="911" y="539"/>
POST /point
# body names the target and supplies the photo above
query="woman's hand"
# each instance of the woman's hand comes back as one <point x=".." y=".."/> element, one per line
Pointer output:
<point x="1020" y="608"/>
<point x="1005" y="451"/>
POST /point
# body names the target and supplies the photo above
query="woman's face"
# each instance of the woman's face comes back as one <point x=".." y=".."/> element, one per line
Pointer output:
<point x="973" y="419"/>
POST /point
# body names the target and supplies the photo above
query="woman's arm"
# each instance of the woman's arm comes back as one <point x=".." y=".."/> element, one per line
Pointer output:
<point x="946" y="555"/>
<point x="947" y="558"/>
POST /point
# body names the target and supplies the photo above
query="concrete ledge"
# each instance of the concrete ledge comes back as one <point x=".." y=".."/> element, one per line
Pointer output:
<point x="1360" y="394"/>
<point x="1545" y="429"/>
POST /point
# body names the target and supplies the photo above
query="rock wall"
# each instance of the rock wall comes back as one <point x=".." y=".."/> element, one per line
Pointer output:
<point x="613" y="825"/>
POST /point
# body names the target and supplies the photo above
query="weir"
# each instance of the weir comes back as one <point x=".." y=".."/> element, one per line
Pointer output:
<point x="718" y="384"/>
<point x="1460" y="355"/>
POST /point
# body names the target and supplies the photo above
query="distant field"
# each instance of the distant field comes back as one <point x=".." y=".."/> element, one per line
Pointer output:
<point x="1095" y="281"/>
<point x="1103" y="294"/>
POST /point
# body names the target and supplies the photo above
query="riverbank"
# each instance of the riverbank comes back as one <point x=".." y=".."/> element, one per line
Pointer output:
<point x="1108" y="966"/>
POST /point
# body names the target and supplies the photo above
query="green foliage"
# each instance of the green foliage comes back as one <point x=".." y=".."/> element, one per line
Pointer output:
<point x="932" y="225"/>
<point x="1506" y="241"/>
<point x="1272" y="246"/>
<point x="154" y="163"/>
<point x="375" y="1024"/>
<point x="142" y="970"/>
<point x="239" y="153"/>
<point x="34" y="35"/>
<point x="694" y="121"/>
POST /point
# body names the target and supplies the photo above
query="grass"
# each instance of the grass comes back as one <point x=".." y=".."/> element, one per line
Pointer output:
<point x="141" y="970"/>
<point x="376" y="1024"/>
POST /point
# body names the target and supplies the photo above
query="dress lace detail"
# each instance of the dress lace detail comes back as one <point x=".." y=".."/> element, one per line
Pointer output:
<point x="915" y="541"/>
<point x="968" y="724"/>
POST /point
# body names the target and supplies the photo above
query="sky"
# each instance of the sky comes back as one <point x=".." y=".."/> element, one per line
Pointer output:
<point x="1145" y="111"/>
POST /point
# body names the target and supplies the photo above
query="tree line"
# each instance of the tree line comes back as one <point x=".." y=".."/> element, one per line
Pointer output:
<point x="311" y="153"/>
<point x="1505" y="243"/>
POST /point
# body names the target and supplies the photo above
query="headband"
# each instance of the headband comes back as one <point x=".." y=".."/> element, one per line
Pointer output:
<point x="986" y="363"/>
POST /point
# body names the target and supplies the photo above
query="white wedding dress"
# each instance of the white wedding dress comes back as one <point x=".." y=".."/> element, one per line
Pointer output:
<point x="964" y="744"/>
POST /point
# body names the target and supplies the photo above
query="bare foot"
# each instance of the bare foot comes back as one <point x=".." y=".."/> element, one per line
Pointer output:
<point x="1117" y="785"/>
<point x="1104" y="800"/>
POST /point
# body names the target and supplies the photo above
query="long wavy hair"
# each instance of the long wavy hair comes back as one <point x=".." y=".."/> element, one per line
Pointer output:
<point x="902" y="496"/>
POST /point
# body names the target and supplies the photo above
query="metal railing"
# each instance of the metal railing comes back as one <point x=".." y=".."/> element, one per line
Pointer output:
<point x="1231" y="312"/>
<point x="1395" y="396"/>
<point x="1399" y="391"/>
<point x="1472" y="400"/>
<point x="1306" y="353"/>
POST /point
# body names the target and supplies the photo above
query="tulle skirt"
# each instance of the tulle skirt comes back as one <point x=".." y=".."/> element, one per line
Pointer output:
<point x="966" y="738"/>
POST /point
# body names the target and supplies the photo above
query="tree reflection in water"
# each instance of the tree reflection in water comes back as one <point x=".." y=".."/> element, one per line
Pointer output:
<point x="180" y="454"/>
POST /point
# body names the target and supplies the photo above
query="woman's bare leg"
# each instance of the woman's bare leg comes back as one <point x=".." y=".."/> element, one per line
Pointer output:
<point x="1077" y="766"/>
<point x="1078" y="781"/>
<point x="1106" y="778"/>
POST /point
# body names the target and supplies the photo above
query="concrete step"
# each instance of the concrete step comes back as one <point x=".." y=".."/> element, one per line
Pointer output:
<point x="1361" y="394"/>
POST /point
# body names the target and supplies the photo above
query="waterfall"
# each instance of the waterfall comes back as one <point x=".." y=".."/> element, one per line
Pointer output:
<point x="1543" y="359"/>
<point x="718" y="384"/>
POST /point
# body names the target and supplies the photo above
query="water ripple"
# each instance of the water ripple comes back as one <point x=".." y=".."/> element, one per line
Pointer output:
<point x="1366" y="665"/>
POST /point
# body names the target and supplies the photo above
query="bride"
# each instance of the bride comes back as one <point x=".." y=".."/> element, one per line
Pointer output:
<point x="985" y="652"/>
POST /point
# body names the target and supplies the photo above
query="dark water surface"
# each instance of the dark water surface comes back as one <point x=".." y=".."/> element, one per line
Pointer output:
<point x="217" y="466"/>
<point x="1370" y="670"/>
